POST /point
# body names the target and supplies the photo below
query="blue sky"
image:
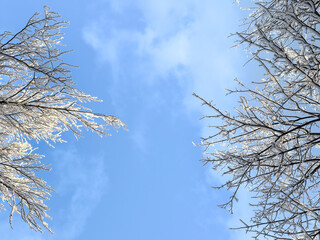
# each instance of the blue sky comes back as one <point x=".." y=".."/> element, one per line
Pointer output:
<point x="144" y="59"/>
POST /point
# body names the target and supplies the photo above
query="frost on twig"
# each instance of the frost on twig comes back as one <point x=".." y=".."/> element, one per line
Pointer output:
<point x="272" y="140"/>
<point x="38" y="101"/>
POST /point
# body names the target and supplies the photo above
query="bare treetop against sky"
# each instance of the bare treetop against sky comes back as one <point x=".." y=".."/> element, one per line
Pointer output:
<point x="38" y="102"/>
<point x="144" y="59"/>
<point x="272" y="140"/>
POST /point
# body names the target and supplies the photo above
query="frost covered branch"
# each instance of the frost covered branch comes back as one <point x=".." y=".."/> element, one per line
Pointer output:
<point x="38" y="101"/>
<point x="273" y="137"/>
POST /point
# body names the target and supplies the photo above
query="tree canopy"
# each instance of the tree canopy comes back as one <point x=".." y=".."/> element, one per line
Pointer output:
<point x="272" y="139"/>
<point x="38" y="101"/>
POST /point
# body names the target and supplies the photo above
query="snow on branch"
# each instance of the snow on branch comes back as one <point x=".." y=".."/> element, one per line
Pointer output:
<point x="273" y="137"/>
<point x="38" y="101"/>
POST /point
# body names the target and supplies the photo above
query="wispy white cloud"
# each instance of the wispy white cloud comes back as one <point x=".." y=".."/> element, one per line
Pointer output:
<point x="174" y="35"/>
<point x="185" y="38"/>
<point x="166" y="53"/>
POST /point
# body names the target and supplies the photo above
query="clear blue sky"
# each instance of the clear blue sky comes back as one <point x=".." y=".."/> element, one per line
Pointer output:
<point x="144" y="59"/>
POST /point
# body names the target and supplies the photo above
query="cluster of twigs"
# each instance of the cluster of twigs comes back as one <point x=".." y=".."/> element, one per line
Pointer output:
<point x="38" y="101"/>
<point x="272" y="140"/>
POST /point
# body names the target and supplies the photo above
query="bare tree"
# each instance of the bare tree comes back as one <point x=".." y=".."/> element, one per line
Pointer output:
<point x="272" y="138"/>
<point x="38" y="101"/>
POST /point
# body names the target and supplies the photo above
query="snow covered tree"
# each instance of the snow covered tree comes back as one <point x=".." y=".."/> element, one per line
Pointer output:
<point x="272" y="139"/>
<point x="38" y="101"/>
